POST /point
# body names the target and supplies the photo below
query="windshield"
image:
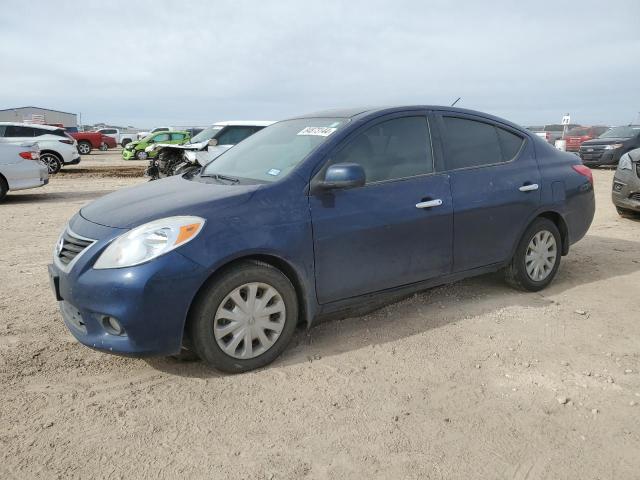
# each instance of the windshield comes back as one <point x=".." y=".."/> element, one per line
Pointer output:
<point x="578" y="132"/>
<point x="206" y="134"/>
<point x="622" y="132"/>
<point x="274" y="151"/>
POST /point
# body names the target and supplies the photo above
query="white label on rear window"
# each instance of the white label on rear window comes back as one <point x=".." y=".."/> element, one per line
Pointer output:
<point x="274" y="171"/>
<point x="317" y="131"/>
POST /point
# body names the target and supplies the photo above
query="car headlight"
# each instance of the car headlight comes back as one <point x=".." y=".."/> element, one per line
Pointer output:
<point x="149" y="241"/>
<point x="613" y="146"/>
<point x="625" y="162"/>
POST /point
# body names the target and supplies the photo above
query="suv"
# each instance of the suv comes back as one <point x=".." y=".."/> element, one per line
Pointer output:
<point x="136" y="149"/>
<point x="610" y="146"/>
<point x="57" y="148"/>
<point x="318" y="216"/>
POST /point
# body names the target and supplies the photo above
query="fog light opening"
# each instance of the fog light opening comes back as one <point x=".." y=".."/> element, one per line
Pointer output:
<point x="112" y="326"/>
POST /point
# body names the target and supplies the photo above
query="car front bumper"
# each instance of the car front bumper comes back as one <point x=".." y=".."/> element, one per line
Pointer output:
<point x="604" y="157"/>
<point x="625" y="191"/>
<point x="149" y="301"/>
<point x="128" y="154"/>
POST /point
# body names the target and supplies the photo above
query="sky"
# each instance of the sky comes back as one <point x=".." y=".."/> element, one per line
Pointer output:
<point x="189" y="63"/>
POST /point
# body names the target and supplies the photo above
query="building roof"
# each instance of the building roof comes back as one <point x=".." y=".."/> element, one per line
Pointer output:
<point x="35" y="125"/>
<point x="39" y="108"/>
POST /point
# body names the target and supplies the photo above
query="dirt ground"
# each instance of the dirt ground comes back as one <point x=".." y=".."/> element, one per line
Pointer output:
<point x="468" y="381"/>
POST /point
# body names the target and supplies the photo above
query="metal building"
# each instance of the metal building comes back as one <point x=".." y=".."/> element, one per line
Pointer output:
<point x="39" y="115"/>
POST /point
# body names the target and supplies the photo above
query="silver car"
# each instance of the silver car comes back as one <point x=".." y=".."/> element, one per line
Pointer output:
<point x="626" y="184"/>
<point x="20" y="168"/>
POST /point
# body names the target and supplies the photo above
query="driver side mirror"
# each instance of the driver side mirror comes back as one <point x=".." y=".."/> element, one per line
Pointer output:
<point x="213" y="142"/>
<point x="343" y="175"/>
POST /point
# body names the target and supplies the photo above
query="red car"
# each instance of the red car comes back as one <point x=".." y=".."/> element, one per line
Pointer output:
<point x="87" y="141"/>
<point x="577" y="135"/>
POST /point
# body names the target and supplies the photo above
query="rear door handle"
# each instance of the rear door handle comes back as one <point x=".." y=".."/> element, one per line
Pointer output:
<point x="529" y="188"/>
<point x="429" y="203"/>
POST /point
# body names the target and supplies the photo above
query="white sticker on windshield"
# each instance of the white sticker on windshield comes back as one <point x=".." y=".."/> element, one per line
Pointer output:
<point x="274" y="171"/>
<point x="317" y="131"/>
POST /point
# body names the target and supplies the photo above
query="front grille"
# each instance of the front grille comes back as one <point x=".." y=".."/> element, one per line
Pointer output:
<point x="71" y="246"/>
<point x="593" y="148"/>
<point x="72" y="316"/>
<point x="635" y="196"/>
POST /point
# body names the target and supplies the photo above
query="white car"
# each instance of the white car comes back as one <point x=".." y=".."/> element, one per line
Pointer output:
<point x="123" y="138"/>
<point x="203" y="148"/>
<point x="141" y="135"/>
<point x="20" y="168"/>
<point x="57" y="148"/>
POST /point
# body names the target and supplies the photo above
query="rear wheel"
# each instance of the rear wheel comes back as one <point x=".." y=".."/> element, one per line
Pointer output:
<point x="537" y="257"/>
<point x="52" y="161"/>
<point x="125" y="142"/>
<point x="84" y="147"/>
<point x="245" y="318"/>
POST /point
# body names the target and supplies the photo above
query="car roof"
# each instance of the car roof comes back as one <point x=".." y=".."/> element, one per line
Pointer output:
<point x="376" y="111"/>
<point x="249" y="123"/>
<point x="36" y="125"/>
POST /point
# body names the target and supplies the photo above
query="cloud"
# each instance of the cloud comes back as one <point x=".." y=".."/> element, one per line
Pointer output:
<point x="195" y="62"/>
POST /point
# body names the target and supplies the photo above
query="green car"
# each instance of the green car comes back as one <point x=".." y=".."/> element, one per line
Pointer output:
<point x="136" y="150"/>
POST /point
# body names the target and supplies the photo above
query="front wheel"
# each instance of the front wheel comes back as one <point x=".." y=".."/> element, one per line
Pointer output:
<point x="624" y="213"/>
<point x="245" y="318"/>
<point x="141" y="155"/>
<point x="537" y="257"/>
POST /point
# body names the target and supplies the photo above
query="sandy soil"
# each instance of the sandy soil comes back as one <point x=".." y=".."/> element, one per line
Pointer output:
<point x="472" y="380"/>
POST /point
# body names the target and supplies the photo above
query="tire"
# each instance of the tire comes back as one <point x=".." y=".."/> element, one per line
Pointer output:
<point x="104" y="147"/>
<point x="125" y="142"/>
<point x="52" y="161"/>
<point x="518" y="273"/>
<point x="4" y="188"/>
<point x="141" y="155"/>
<point x="208" y="313"/>
<point x="624" y="213"/>
<point x="84" y="147"/>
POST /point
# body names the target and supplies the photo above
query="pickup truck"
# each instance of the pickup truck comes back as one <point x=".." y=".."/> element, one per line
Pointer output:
<point x="577" y="136"/>
<point x="552" y="132"/>
<point x="87" y="141"/>
<point x="122" y="138"/>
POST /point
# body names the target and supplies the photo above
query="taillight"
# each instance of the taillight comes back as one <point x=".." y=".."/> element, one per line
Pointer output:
<point x="584" y="171"/>
<point x="68" y="142"/>
<point x="30" y="155"/>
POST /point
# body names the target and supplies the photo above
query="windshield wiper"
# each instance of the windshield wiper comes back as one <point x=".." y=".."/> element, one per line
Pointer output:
<point x="219" y="177"/>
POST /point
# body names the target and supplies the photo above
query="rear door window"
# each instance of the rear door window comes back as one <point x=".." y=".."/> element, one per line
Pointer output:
<point x="18" y="131"/>
<point x="471" y="143"/>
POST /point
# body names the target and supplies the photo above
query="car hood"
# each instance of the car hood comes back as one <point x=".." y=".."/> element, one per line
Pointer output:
<point x="133" y="206"/>
<point x="604" y="141"/>
<point x="186" y="146"/>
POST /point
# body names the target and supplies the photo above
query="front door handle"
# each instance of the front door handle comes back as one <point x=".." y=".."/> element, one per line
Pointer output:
<point x="429" y="203"/>
<point x="529" y="188"/>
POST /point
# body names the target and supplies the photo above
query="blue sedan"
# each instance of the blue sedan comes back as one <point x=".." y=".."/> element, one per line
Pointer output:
<point x="321" y="215"/>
